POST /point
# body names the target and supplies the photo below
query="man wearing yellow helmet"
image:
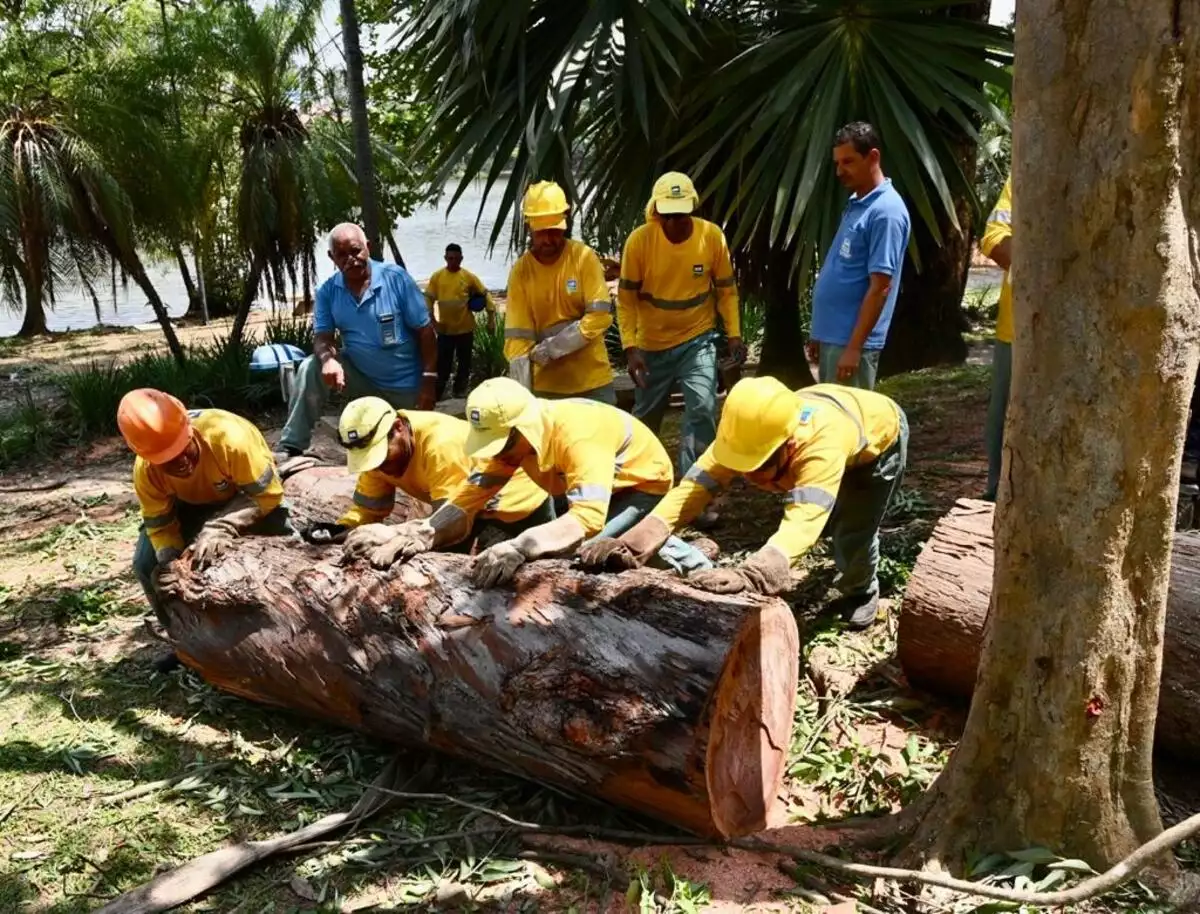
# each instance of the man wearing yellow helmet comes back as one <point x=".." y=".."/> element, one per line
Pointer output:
<point x="423" y="454"/>
<point x="609" y="467"/>
<point x="836" y="454"/>
<point x="676" y="279"/>
<point x="558" y="307"/>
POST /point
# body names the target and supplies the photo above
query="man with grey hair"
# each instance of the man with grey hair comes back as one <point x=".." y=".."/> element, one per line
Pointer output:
<point x="388" y="345"/>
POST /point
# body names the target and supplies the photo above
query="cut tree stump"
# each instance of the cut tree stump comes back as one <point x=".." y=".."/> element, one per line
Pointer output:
<point x="946" y="603"/>
<point x="633" y="688"/>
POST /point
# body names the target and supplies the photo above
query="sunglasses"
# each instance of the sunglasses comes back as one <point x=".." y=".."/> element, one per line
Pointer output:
<point x="360" y="441"/>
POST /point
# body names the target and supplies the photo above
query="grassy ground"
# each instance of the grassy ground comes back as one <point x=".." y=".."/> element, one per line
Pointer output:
<point x="110" y="772"/>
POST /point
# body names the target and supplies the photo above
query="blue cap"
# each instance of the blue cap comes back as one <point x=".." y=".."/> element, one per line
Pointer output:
<point x="477" y="302"/>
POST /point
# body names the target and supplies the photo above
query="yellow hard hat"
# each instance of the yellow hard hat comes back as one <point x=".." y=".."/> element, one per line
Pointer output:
<point x="545" y="206"/>
<point x="363" y="431"/>
<point x="673" y="193"/>
<point x="494" y="409"/>
<point x="759" y="415"/>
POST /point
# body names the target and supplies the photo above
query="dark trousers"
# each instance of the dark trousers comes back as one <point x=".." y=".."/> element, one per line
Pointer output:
<point x="454" y="347"/>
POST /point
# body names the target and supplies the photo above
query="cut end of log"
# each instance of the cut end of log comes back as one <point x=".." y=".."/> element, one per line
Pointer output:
<point x="752" y="715"/>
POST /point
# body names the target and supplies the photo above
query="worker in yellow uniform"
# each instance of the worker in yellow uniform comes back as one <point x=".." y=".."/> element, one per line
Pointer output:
<point x="189" y="466"/>
<point x="458" y="295"/>
<point x="676" y="279"/>
<point x="609" y="467"/>
<point x="996" y="244"/>
<point x="835" y="453"/>
<point x="558" y="307"/>
<point x="423" y="454"/>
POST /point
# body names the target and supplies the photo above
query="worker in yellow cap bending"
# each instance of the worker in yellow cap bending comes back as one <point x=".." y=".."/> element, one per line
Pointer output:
<point x="558" y="307"/>
<point x="609" y="467"/>
<point x="835" y="453"/>
<point x="676" y="279"/>
<point x="423" y="454"/>
<point x="189" y="465"/>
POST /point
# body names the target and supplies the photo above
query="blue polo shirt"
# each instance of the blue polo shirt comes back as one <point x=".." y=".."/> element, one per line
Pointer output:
<point x="378" y="332"/>
<point x="871" y="239"/>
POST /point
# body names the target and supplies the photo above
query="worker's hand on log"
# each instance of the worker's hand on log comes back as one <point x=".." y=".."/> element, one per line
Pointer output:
<point x="165" y="574"/>
<point x="607" y="552"/>
<point x="324" y="533"/>
<point x="411" y="539"/>
<point x="362" y="541"/>
<point x="496" y="565"/>
<point x="214" y="540"/>
<point x="767" y="572"/>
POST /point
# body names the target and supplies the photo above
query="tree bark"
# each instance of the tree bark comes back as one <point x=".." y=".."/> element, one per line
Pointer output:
<point x="249" y="290"/>
<point x="634" y="688"/>
<point x="1058" y="744"/>
<point x="34" y="322"/>
<point x="772" y="273"/>
<point x="946" y="603"/>
<point x="185" y="274"/>
<point x="362" y="130"/>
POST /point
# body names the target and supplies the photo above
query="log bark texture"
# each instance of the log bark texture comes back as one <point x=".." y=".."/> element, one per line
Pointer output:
<point x="946" y="604"/>
<point x="633" y="688"/>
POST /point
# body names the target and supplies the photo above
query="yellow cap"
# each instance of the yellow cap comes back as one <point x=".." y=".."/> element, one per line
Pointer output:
<point x="759" y="415"/>
<point x="495" y="408"/>
<point x="674" y="193"/>
<point x="363" y="431"/>
<point x="545" y="206"/>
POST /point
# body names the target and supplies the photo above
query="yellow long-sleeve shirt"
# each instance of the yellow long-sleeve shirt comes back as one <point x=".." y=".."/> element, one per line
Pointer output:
<point x="234" y="458"/>
<point x="671" y="293"/>
<point x="589" y="452"/>
<point x="543" y="300"/>
<point x="999" y="227"/>
<point x="840" y="428"/>
<point x="437" y="469"/>
<point x="450" y="291"/>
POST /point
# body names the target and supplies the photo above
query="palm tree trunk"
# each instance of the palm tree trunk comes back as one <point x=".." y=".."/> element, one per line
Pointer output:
<point x="249" y="290"/>
<point x="770" y="271"/>
<point x="34" y="323"/>
<point x="138" y="272"/>
<point x="362" y="132"/>
<point x="188" y="283"/>
<point x="395" y="248"/>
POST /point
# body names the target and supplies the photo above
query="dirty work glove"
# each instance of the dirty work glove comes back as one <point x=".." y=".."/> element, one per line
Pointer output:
<point x="362" y="541"/>
<point x="166" y="572"/>
<point x="766" y="572"/>
<point x="410" y="539"/>
<point x="496" y="565"/>
<point x="568" y="340"/>
<point x="214" y="540"/>
<point x="324" y="533"/>
<point x="521" y="371"/>
<point x="607" y="552"/>
<point x="633" y="550"/>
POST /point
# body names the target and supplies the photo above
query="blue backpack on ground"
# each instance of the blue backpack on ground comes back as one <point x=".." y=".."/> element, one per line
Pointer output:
<point x="274" y="356"/>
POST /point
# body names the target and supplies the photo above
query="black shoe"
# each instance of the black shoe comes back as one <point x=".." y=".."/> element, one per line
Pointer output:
<point x="167" y="663"/>
<point x="858" y="610"/>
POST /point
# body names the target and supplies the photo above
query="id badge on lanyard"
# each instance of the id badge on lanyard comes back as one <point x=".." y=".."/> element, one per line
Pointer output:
<point x="387" y="329"/>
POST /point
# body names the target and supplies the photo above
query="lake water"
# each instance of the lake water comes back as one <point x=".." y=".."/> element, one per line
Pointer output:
<point x="422" y="240"/>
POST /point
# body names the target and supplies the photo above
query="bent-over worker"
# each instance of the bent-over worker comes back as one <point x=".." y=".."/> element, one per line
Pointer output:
<point x="608" y="465"/>
<point x="423" y="454"/>
<point x="835" y="453"/>
<point x="558" y="307"/>
<point x="189" y="465"/>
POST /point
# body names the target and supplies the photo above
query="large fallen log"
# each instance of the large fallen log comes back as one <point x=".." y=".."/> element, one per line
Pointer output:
<point x="946" y="603"/>
<point x="633" y="688"/>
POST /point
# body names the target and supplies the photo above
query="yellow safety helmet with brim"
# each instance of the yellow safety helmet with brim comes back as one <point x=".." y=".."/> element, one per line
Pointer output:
<point x="545" y="206"/>
<point x="363" y="431"/>
<point x="494" y="409"/>
<point x="759" y="415"/>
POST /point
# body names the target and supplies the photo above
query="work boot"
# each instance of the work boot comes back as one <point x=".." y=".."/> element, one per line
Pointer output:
<point x="858" y="610"/>
<point x="284" y="454"/>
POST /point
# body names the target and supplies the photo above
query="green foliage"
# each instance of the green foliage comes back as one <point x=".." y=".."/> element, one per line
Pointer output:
<point x="661" y="891"/>
<point x="295" y="330"/>
<point x="487" y="357"/>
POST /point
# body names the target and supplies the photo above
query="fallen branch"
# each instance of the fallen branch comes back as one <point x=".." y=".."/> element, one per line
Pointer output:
<point x="154" y="786"/>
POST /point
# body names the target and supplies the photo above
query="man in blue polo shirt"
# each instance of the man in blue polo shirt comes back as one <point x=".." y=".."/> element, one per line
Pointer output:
<point x="389" y="348"/>
<point x="859" y="281"/>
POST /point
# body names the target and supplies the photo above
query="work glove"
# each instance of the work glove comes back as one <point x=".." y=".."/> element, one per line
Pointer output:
<point x="213" y="541"/>
<point x="609" y="553"/>
<point x="521" y="371"/>
<point x="568" y="340"/>
<point x="166" y="572"/>
<point x="362" y="541"/>
<point x="324" y="533"/>
<point x="410" y="539"/>
<point x="767" y="572"/>
<point x="496" y="565"/>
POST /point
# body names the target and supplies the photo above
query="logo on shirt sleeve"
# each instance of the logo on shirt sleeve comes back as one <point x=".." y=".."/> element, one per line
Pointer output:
<point x="806" y="414"/>
<point x="572" y="285"/>
<point x="698" y="269"/>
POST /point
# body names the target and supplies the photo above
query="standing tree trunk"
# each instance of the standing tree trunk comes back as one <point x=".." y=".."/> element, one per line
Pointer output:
<point x="362" y="130"/>
<point x="774" y="276"/>
<point x="1057" y="748"/>
<point x="189" y="284"/>
<point x="249" y="291"/>
<point x="34" y="322"/>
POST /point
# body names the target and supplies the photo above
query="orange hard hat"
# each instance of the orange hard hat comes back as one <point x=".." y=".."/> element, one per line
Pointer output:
<point x="154" y="424"/>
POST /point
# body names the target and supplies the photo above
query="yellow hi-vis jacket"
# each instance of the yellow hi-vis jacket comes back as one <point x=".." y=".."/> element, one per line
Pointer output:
<point x="671" y="293"/>
<point x="840" y="428"/>
<point x="436" y="470"/>
<point x="543" y="300"/>
<point x="999" y="227"/>
<point x="234" y="459"/>
<point x="450" y="291"/>
<point x="589" y="452"/>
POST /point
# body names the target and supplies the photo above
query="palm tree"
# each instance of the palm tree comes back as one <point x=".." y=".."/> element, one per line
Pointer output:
<point x="744" y="95"/>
